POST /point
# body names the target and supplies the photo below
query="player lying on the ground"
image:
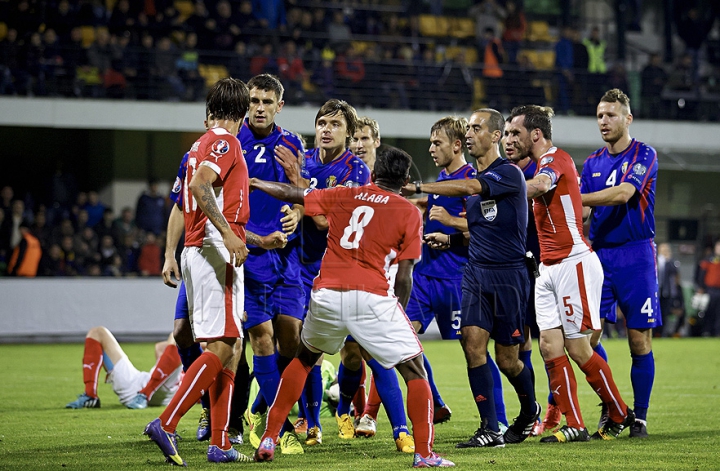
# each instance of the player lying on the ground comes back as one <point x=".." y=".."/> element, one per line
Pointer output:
<point x="135" y="389"/>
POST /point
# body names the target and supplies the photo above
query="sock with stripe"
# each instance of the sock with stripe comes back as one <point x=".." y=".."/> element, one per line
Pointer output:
<point x="598" y="374"/>
<point x="92" y="362"/>
<point x="221" y="392"/>
<point x="564" y="388"/>
<point x="199" y="377"/>
<point x="291" y="386"/>
<point x="168" y="362"/>
<point x="421" y="411"/>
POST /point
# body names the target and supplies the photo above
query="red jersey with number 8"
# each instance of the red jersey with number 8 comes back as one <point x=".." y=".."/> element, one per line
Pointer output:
<point x="370" y="229"/>
<point x="221" y="151"/>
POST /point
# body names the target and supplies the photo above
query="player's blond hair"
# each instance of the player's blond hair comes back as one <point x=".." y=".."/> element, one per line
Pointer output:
<point x="616" y="95"/>
<point x="372" y="124"/>
<point x="455" y="128"/>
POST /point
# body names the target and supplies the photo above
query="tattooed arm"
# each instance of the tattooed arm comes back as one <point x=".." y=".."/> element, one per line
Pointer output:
<point x="202" y="189"/>
<point x="538" y="186"/>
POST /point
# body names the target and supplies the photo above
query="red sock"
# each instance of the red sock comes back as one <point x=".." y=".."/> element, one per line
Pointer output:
<point x="92" y="362"/>
<point x="291" y="386"/>
<point x="221" y="393"/>
<point x="421" y="411"/>
<point x="198" y="379"/>
<point x="168" y="362"/>
<point x="359" y="398"/>
<point x="564" y="390"/>
<point x="598" y="374"/>
<point x="373" y="401"/>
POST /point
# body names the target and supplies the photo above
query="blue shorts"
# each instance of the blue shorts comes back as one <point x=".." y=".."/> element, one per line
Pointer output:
<point x="495" y="299"/>
<point x="181" y="305"/>
<point x="272" y="286"/>
<point x="436" y="298"/>
<point x="631" y="283"/>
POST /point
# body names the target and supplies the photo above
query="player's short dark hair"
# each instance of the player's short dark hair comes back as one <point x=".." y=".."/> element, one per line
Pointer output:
<point x="392" y="165"/>
<point x="372" y="124"/>
<point x="536" y="117"/>
<point x="616" y="95"/>
<point x="333" y="107"/>
<point x="267" y="82"/>
<point x="455" y="128"/>
<point x="496" y="121"/>
<point x="228" y="99"/>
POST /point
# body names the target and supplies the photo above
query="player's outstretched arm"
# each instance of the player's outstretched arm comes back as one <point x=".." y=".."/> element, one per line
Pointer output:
<point x="203" y="192"/>
<point x="538" y="186"/>
<point x="403" y="281"/>
<point x="275" y="240"/>
<point x="445" y="188"/>
<point x="612" y="196"/>
<point x="440" y="214"/>
<point x="174" y="231"/>
<point x="291" y="163"/>
<point x="281" y="191"/>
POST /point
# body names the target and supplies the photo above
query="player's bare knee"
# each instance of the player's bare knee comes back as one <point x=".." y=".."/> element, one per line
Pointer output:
<point x="640" y="341"/>
<point x="412" y="369"/>
<point x="261" y="339"/>
<point x="351" y="356"/>
<point x="97" y="333"/>
<point x="182" y="333"/>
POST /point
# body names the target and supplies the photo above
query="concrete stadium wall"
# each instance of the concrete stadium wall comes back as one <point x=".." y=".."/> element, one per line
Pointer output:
<point x="64" y="309"/>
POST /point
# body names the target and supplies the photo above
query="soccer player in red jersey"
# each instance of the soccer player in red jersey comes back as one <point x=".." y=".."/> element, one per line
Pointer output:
<point x="370" y="227"/>
<point x="567" y="292"/>
<point x="215" y="209"/>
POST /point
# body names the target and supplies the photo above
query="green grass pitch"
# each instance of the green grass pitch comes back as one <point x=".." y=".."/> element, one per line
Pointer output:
<point x="37" y="433"/>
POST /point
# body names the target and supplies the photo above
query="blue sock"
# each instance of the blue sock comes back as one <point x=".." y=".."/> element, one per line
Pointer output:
<point x="302" y="408"/>
<point x="498" y="398"/>
<point x="433" y="387"/>
<point x="526" y="392"/>
<point x="642" y="376"/>
<point x="313" y="397"/>
<point x="349" y="381"/>
<point x="481" y="385"/>
<point x="268" y="378"/>
<point x="600" y="350"/>
<point x="259" y="406"/>
<point x="551" y="398"/>
<point x="388" y="389"/>
<point x="189" y="355"/>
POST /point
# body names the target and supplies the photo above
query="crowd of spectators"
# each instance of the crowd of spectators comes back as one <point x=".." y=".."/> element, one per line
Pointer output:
<point x="83" y="238"/>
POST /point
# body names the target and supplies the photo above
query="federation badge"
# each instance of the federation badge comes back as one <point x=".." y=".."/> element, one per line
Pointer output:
<point x="624" y="167"/>
<point x="331" y="181"/>
<point x="489" y="209"/>
<point x="639" y="169"/>
<point x="546" y="160"/>
<point x="177" y="185"/>
<point x="221" y="146"/>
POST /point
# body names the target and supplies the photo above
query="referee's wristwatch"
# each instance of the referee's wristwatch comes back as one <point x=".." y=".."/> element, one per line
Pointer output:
<point x="418" y="187"/>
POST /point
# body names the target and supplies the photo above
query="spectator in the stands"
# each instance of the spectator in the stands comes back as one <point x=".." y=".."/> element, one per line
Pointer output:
<point x="487" y="14"/>
<point x="270" y="13"/>
<point x="124" y="226"/>
<point x="121" y="18"/>
<point x="514" y="32"/>
<point x="239" y="65"/>
<point x="338" y="31"/>
<point x="149" y="260"/>
<point x="62" y="19"/>
<point x="150" y="210"/>
<point x="95" y="208"/>
<point x="652" y="80"/>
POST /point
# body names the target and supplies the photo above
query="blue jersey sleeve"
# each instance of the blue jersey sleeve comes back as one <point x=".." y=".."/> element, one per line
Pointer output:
<point x="643" y="168"/>
<point x="501" y="181"/>
<point x="176" y="195"/>
<point x="358" y="174"/>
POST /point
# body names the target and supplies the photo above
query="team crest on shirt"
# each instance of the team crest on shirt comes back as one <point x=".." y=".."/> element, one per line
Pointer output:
<point x="177" y="185"/>
<point x="331" y="181"/>
<point x="624" y="167"/>
<point x="219" y="147"/>
<point x="639" y="169"/>
<point x="546" y="160"/>
<point x="489" y="209"/>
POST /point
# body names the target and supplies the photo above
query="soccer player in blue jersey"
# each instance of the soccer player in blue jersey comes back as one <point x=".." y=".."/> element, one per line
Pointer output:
<point x="618" y="183"/>
<point x="273" y="288"/>
<point x="438" y="276"/>
<point x="495" y="285"/>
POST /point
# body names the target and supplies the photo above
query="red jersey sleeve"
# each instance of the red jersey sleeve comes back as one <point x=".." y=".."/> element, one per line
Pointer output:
<point x="411" y="247"/>
<point x="319" y="202"/>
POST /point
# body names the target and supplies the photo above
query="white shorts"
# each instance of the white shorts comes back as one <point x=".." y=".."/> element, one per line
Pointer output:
<point x="215" y="292"/>
<point x="567" y="295"/>
<point x="127" y="380"/>
<point x="377" y="323"/>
